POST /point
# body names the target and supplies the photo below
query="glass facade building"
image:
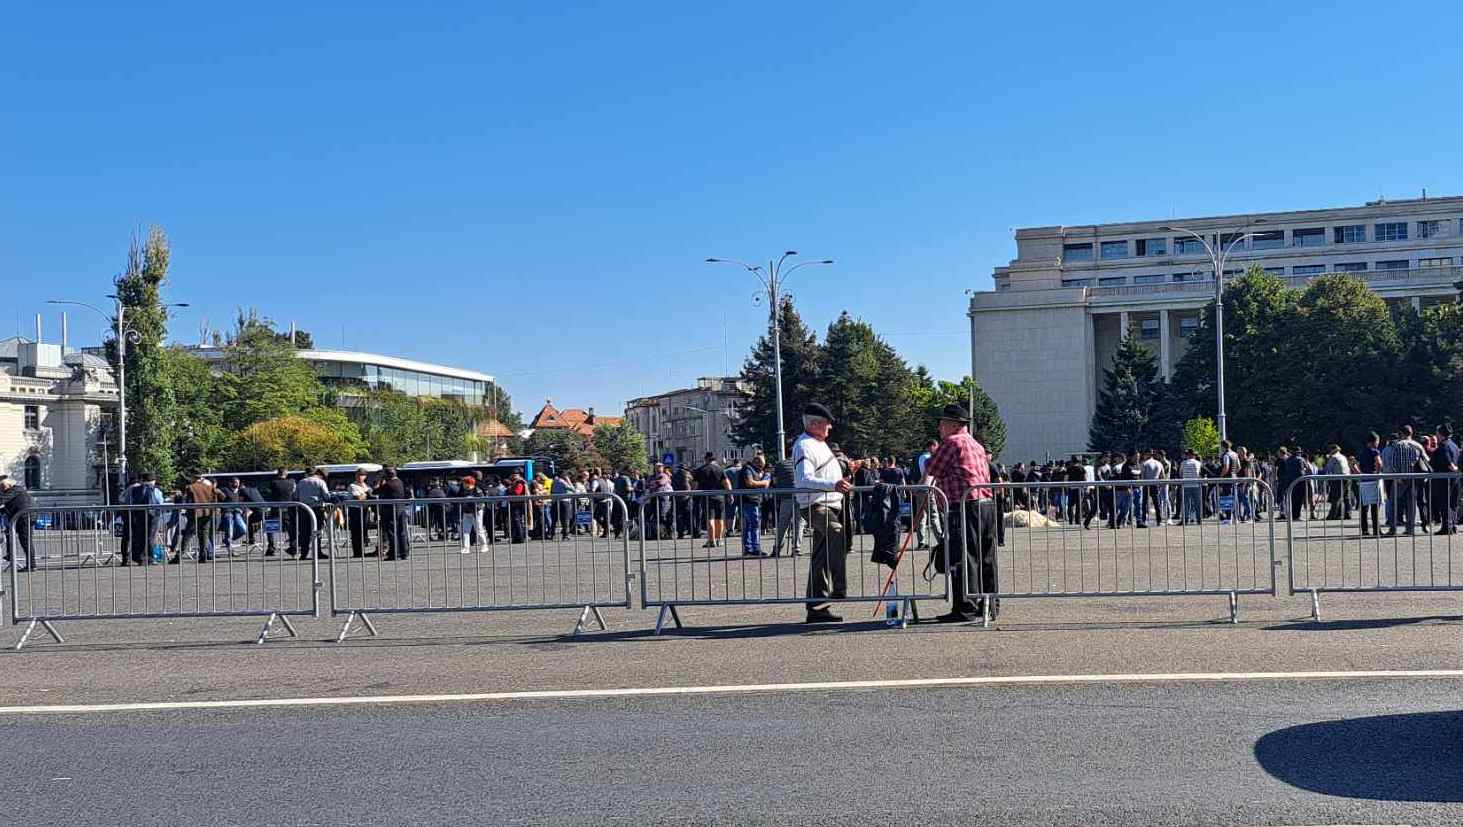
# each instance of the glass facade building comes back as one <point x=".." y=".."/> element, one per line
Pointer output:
<point x="345" y="370"/>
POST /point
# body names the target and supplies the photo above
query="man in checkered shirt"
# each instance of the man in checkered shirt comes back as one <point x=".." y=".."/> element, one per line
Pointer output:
<point x="1402" y="457"/>
<point x="961" y="470"/>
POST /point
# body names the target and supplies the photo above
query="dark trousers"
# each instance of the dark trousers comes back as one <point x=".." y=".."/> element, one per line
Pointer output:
<point x="518" y="527"/>
<point x="973" y="568"/>
<point x="1298" y="499"/>
<point x="1444" y="503"/>
<point x="202" y="528"/>
<point x="355" y="520"/>
<point x="394" y="530"/>
<point x="1375" y="513"/>
<point x="1340" y="508"/>
<point x="138" y="536"/>
<point x="827" y="571"/>
<point x="22" y="535"/>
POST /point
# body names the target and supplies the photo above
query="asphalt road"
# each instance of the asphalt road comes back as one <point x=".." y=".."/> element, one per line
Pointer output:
<point x="1259" y="752"/>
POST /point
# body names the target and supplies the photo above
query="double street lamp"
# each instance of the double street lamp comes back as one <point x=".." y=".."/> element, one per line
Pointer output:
<point x="1218" y="255"/>
<point x="772" y="279"/>
<point x="125" y="333"/>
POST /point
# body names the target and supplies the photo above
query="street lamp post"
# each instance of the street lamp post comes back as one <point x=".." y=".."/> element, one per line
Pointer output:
<point x="1218" y="255"/>
<point x="772" y="281"/>
<point x="125" y="333"/>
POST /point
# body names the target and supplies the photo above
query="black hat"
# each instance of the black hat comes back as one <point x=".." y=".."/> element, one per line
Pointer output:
<point x="818" y="409"/>
<point x="955" y="412"/>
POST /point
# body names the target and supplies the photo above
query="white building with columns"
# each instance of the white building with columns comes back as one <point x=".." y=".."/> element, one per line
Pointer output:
<point x="1042" y="338"/>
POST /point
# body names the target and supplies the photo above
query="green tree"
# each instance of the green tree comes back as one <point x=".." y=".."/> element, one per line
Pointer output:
<point x="621" y="447"/>
<point x="151" y="403"/>
<point x="985" y="418"/>
<point x="264" y="379"/>
<point x="757" y="420"/>
<point x="569" y="450"/>
<point x="1260" y="311"/>
<point x="1429" y="373"/>
<point x="1123" y="420"/>
<point x="1201" y="435"/>
<point x="200" y="440"/>
<point x="293" y="441"/>
<point x="868" y="388"/>
<point x="1342" y="346"/>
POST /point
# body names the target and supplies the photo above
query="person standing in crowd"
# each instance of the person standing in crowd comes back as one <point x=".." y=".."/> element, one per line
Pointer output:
<point x="201" y="493"/>
<point x="282" y="490"/>
<point x="623" y="486"/>
<point x="929" y="528"/>
<point x="1369" y="461"/>
<point x="816" y="469"/>
<point x="1228" y="470"/>
<point x="1244" y="490"/>
<point x="1290" y="469"/>
<point x="14" y="500"/>
<point x="517" y="487"/>
<point x="1444" y="492"/>
<point x="783" y="482"/>
<point x="1403" y="456"/>
<point x="660" y="510"/>
<point x="1337" y="465"/>
<point x="140" y="524"/>
<point x="253" y="516"/>
<point x="470" y="516"/>
<point x="437" y="513"/>
<point x="355" y="512"/>
<point x="710" y="477"/>
<point x="961" y="469"/>
<point x="1150" y="471"/>
<point x="393" y="517"/>
<point x="686" y="515"/>
<point x="311" y="493"/>
<point x="1192" y="472"/>
<point x="752" y="477"/>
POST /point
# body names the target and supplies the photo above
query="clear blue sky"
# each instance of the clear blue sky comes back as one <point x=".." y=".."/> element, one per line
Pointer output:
<point x="531" y="193"/>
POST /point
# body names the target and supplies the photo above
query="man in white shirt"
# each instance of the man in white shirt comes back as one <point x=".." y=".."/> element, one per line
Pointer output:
<point x="1191" y="469"/>
<point x="815" y="468"/>
<point x="1152" y="495"/>
<point x="1228" y="469"/>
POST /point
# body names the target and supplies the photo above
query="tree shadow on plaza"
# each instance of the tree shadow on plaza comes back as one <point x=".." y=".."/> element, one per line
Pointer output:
<point x="1416" y="757"/>
<point x="1359" y="624"/>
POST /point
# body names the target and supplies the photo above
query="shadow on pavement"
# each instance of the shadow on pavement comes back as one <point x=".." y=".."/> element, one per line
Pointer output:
<point x="1415" y="757"/>
<point x="1358" y="625"/>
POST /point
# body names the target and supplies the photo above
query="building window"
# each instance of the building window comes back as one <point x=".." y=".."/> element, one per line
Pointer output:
<point x="1152" y="246"/>
<point x="1435" y="262"/>
<point x="1275" y="271"/>
<point x="1313" y="237"/>
<point x="1188" y="326"/>
<point x="33" y="473"/>
<point x="1112" y="281"/>
<point x="1232" y="238"/>
<point x="1188" y="247"/>
<point x="1194" y="276"/>
<point x="1149" y="328"/>
<point x="1349" y="234"/>
<point x="1268" y="241"/>
<point x="1391" y="231"/>
<point x="1076" y="282"/>
<point x="1159" y="278"/>
<point x="32" y="417"/>
<point x="1350" y="267"/>
<point x="1395" y="264"/>
<point x="1114" y="249"/>
<point x="1429" y="229"/>
<point x="1076" y="252"/>
<point x="1307" y="269"/>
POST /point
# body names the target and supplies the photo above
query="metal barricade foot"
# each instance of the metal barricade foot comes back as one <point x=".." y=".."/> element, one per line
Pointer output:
<point x="1233" y="607"/>
<point x="667" y="610"/>
<point x="350" y="619"/>
<point x="985" y="611"/>
<point x="1315" y="605"/>
<point x="31" y="627"/>
<point x="584" y="615"/>
<point x="909" y="615"/>
<point x="269" y="626"/>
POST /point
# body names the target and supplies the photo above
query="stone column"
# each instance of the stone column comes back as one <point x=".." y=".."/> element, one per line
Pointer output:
<point x="1163" y="348"/>
<point x="1123" y="326"/>
<point x="1417" y="304"/>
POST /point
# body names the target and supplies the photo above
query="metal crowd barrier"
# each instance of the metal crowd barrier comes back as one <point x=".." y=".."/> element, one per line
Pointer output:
<point x="482" y="554"/>
<point x="1373" y="533"/>
<point x="748" y="567"/>
<point x="1122" y="538"/>
<point x="125" y="562"/>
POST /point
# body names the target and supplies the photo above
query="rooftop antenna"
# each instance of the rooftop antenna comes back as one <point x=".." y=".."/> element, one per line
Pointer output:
<point x="65" y="334"/>
<point x="1424" y="193"/>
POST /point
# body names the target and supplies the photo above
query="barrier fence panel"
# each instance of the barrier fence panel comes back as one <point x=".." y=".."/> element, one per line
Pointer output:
<point x="483" y="554"/>
<point x="1373" y="533"/>
<point x="766" y="546"/>
<point x="1120" y="538"/>
<point x="161" y="561"/>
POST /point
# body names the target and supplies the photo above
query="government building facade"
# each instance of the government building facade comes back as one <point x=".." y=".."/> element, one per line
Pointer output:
<point x="1042" y="338"/>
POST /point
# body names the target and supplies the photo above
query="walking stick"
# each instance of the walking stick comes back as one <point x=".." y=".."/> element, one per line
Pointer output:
<point x="894" y="572"/>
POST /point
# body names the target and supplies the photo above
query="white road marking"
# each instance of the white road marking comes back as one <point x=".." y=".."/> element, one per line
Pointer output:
<point x="731" y="689"/>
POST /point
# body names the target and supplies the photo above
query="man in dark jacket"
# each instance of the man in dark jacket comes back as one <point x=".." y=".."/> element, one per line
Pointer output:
<point x="393" y="521"/>
<point x="13" y="500"/>
<point x="200" y="493"/>
<point x="1290" y="469"/>
<point x="281" y="490"/>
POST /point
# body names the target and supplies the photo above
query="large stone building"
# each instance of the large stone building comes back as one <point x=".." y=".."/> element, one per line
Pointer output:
<point x="1041" y="339"/>
<point x="687" y="423"/>
<point x="55" y="410"/>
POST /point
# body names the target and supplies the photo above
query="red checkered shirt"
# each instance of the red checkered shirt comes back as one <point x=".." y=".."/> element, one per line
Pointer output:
<point x="960" y="468"/>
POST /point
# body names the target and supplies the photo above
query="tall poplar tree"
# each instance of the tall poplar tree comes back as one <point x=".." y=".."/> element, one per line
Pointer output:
<point x="151" y="402"/>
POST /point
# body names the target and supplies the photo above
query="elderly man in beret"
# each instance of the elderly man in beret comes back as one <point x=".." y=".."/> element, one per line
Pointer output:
<point x="816" y="469"/>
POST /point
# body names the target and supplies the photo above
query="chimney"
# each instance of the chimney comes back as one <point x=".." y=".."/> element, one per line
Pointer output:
<point x="38" y="328"/>
<point x="65" y="335"/>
